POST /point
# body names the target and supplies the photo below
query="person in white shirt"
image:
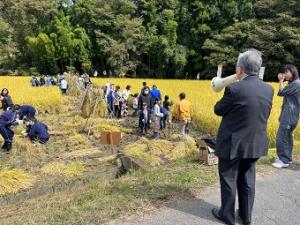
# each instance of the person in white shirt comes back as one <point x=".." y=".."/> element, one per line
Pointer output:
<point x="63" y="86"/>
<point x="135" y="104"/>
<point x="157" y="116"/>
<point x="126" y="92"/>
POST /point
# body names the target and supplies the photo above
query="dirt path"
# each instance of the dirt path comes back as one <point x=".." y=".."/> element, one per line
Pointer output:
<point x="277" y="202"/>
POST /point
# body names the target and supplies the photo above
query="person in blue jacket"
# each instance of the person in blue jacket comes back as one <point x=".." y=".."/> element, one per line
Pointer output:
<point x="37" y="131"/>
<point x="155" y="93"/>
<point x="23" y="111"/>
<point x="8" y="119"/>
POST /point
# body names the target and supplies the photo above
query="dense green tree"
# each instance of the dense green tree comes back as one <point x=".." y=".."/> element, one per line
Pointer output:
<point x="64" y="46"/>
<point x="118" y="38"/>
<point x="276" y="34"/>
<point x="42" y="52"/>
<point x="155" y="38"/>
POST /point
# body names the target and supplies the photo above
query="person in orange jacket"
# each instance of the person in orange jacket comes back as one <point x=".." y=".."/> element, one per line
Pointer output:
<point x="183" y="112"/>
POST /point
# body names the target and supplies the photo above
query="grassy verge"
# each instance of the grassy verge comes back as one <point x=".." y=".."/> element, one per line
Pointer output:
<point x="105" y="200"/>
<point x="101" y="201"/>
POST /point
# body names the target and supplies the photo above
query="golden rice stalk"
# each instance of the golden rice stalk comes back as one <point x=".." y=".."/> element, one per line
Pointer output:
<point x="11" y="181"/>
<point x="61" y="169"/>
<point x="73" y="89"/>
<point x="140" y="151"/>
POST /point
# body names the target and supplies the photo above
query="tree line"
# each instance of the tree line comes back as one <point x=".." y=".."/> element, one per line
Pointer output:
<point x="146" y="38"/>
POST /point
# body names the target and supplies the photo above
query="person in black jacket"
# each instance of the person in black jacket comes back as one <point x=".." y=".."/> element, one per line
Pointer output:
<point x="145" y="97"/>
<point x="5" y="99"/>
<point x="242" y="137"/>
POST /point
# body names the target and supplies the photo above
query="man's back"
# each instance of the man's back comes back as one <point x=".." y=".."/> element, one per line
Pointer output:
<point x="245" y="109"/>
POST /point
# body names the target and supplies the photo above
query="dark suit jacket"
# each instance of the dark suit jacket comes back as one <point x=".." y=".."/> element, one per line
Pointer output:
<point x="245" y="108"/>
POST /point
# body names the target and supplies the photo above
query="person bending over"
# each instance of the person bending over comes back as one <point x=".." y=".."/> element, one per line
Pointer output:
<point x="36" y="131"/>
<point x="8" y="119"/>
<point x="25" y="111"/>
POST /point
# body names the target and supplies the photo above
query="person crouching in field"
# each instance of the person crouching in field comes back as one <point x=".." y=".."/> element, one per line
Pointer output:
<point x="157" y="115"/>
<point x="5" y="99"/>
<point x="36" y="131"/>
<point x="8" y="119"/>
<point x="289" y="115"/>
<point x="183" y="112"/>
<point x="25" y="111"/>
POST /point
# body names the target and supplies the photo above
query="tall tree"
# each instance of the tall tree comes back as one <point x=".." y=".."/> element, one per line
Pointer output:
<point x="276" y="33"/>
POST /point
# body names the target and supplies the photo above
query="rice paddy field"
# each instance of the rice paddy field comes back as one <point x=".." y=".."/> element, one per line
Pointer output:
<point x="203" y="99"/>
<point x="198" y="92"/>
<point x="71" y="179"/>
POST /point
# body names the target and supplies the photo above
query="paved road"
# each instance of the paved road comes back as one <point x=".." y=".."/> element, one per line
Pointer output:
<point x="277" y="203"/>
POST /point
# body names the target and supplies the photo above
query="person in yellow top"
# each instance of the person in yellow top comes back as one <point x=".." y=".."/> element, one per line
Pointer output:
<point x="183" y="112"/>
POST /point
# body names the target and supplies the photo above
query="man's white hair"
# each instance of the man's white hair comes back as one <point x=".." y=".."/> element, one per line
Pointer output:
<point x="250" y="61"/>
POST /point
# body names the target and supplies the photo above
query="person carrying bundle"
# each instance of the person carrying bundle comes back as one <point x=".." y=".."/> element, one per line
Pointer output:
<point x="25" y="111"/>
<point x="36" y="131"/>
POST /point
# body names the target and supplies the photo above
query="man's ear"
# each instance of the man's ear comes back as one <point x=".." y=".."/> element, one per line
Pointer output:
<point x="239" y="72"/>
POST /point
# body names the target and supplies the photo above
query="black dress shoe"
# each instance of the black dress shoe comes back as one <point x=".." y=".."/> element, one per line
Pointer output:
<point x="217" y="215"/>
<point x="244" y="223"/>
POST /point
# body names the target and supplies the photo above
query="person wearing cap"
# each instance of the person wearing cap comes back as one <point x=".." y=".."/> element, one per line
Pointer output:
<point x="183" y="112"/>
<point x="37" y="131"/>
<point x="8" y="119"/>
<point x="23" y="111"/>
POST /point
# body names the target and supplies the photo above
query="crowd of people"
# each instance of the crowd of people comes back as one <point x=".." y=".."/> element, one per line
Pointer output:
<point x="152" y="112"/>
<point x="14" y="115"/>
<point x="61" y="81"/>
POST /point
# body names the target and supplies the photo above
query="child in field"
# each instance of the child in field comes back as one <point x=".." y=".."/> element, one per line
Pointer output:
<point x="36" y="131"/>
<point x="144" y="119"/>
<point x="157" y="118"/>
<point x="135" y="103"/>
<point x="124" y="111"/>
<point x="183" y="112"/>
<point x="5" y="99"/>
<point x="166" y="111"/>
<point x="117" y="101"/>
<point x="25" y="111"/>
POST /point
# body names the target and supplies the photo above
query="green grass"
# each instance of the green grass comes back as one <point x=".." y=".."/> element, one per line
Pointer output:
<point x="101" y="201"/>
<point x="105" y="200"/>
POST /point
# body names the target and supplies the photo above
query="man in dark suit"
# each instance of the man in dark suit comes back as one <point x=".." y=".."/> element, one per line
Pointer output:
<point x="242" y="137"/>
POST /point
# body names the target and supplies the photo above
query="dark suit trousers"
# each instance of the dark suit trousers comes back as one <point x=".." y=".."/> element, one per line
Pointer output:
<point x="237" y="175"/>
